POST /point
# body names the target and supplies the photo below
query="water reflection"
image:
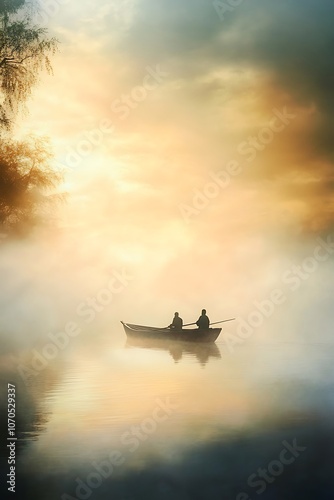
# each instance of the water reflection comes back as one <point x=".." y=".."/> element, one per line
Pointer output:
<point x="178" y="350"/>
<point x="230" y="420"/>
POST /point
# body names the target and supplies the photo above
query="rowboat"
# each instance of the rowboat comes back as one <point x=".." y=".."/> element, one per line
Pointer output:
<point x="186" y="334"/>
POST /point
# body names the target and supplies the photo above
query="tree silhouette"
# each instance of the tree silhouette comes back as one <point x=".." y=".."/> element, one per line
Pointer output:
<point x="25" y="174"/>
<point x="24" y="52"/>
<point x="26" y="181"/>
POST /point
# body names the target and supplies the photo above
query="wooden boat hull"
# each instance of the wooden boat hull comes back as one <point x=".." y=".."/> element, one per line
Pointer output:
<point x="187" y="335"/>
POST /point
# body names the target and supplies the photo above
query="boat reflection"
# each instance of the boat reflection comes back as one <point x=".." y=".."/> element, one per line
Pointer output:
<point x="178" y="349"/>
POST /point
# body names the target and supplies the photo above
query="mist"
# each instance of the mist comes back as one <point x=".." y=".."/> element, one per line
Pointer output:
<point x="191" y="161"/>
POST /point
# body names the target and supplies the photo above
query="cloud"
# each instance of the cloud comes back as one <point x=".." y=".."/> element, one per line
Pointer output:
<point x="259" y="57"/>
<point x="224" y="80"/>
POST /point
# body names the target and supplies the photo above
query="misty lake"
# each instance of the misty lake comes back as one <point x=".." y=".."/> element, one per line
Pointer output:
<point x="160" y="156"/>
<point x="112" y="420"/>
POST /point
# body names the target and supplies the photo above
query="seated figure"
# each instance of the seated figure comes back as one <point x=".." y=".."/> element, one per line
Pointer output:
<point x="177" y="322"/>
<point x="203" y="321"/>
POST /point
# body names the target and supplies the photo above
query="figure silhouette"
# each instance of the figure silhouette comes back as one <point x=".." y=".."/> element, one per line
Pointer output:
<point x="177" y="322"/>
<point x="203" y="321"/>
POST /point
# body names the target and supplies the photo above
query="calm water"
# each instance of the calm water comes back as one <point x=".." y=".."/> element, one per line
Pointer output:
<point x="145" y="421"/>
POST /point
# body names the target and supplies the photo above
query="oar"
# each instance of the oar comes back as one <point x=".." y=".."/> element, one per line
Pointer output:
<point x="216" y="323"/>
<point x="224" y="321"/>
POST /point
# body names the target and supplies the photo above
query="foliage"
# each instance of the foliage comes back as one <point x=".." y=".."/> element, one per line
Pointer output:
<point x="10" y="6"/>
<point x="25" y="174"/>
<point x="24" y="52"/>
<point x="25" y="178"/>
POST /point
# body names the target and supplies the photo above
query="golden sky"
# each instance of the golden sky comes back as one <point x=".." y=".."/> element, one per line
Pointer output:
<point x="196" y="145"/>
